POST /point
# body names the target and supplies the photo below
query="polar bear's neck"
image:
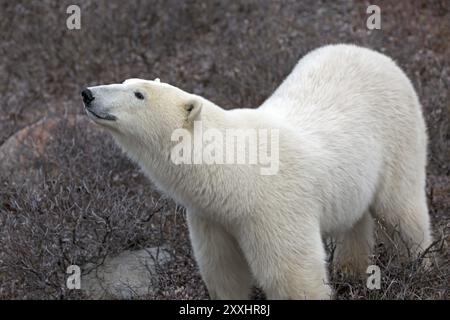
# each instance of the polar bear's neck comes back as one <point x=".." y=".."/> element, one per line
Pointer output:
<point x="199" y="187"/>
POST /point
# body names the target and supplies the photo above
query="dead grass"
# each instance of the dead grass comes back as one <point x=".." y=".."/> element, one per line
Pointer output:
<point x="234" y="53"/>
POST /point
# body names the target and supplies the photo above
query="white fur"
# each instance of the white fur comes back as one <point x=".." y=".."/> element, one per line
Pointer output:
<point x="352" y="147"/>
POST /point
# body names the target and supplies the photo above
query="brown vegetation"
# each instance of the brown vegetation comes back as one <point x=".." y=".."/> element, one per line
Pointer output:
<point x="89" y="201"/>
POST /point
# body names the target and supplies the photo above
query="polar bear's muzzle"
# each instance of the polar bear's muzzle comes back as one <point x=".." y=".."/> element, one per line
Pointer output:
<point x="93" y="110"/>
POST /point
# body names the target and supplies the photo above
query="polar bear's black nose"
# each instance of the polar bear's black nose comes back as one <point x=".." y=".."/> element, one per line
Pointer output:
<point x="87" y="96"/>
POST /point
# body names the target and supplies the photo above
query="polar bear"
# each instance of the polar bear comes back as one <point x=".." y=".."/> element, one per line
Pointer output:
<point x="352" y="148"/>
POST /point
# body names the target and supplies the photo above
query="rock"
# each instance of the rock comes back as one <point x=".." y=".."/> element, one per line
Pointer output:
<point x="131" y="274"/>
<point x="28" y="152"/>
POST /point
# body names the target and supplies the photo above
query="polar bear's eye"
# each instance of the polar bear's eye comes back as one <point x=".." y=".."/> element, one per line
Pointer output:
<point x="139" y="95"/>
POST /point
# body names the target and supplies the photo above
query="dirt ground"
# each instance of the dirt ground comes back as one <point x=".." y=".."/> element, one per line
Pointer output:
<point x="69" y="196"/>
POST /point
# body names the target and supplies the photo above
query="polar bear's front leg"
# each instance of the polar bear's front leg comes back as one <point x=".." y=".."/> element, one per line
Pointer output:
<point x="287" y="257"/>
<point x="220" y="260"/>
<point x="354" y="247"/>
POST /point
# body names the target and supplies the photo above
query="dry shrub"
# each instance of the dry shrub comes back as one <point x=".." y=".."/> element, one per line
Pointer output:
<point x="234" y="53"/>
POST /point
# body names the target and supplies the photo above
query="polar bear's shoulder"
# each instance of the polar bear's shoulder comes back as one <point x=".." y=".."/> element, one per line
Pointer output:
<point x="342" y="59"/>
<point x="324" y="73"/>
<point x="341" y="52"/>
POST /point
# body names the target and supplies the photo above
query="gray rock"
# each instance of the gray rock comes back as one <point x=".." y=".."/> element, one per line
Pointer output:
<point x="131" y="274"/>
<point x="27" y="153"/>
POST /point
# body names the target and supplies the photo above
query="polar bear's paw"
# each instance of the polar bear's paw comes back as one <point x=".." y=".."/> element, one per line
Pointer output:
<point x="353" y="269"/>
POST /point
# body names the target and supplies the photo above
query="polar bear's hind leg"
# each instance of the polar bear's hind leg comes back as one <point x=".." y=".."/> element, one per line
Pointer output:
<point x="404" y="213"/>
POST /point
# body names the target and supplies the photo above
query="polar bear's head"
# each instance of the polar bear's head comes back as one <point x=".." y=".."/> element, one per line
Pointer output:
<point x="141" y="110"/>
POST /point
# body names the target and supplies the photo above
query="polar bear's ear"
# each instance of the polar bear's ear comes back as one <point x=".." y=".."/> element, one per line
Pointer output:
<point x="193" y="111"/>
